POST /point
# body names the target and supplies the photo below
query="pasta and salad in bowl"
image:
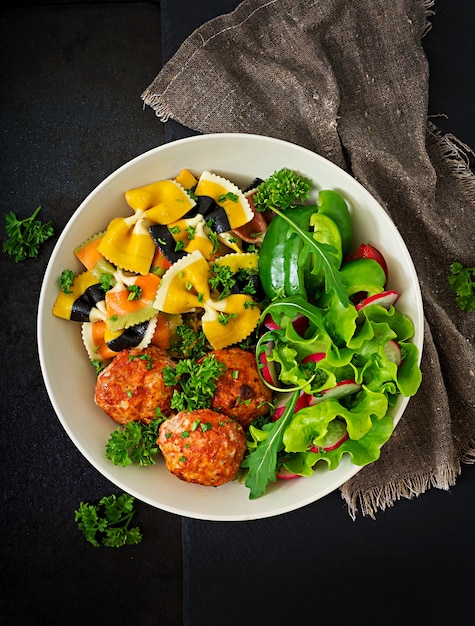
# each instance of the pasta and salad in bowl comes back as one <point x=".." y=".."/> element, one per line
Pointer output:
<point x="230" y="327"/>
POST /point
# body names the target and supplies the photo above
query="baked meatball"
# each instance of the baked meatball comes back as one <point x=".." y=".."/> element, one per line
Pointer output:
<point x="240" y="392"/>
<point x="132" y="388"/>
<point x="202" y="446"/>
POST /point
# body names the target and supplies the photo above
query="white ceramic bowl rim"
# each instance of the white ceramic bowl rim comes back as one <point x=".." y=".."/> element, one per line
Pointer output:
<point x="69" y="377"/>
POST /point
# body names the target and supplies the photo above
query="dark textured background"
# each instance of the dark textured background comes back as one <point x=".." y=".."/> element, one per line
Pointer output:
<point x="71" y="113"/>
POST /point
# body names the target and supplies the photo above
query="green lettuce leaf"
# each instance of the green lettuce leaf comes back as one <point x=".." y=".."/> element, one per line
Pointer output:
<point x="309" y="426"/>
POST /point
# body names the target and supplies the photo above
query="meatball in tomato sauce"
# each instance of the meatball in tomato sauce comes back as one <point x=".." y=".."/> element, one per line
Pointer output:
<point x="202" y="446"/>
<point x="132" y="387"/>
<point x="240" y="392"/>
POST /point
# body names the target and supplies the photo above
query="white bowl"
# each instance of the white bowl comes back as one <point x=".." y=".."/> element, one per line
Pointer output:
<point x="69" y="376"/>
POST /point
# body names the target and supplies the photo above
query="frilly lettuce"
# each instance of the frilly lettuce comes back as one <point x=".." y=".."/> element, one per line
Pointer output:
<point x="352" y="346"/>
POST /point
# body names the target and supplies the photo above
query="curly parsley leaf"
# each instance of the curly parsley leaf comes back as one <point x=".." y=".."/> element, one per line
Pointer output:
<point x="282" y="189"/>
<point x="108" y="522"/>
<point x="191" y="344"/>
<point x="66" y="281"/>
<point x="195" y="382"/>
<point x="462" y="282"/>
<point x="134" y="443"/>
<point x="25" y="236"/>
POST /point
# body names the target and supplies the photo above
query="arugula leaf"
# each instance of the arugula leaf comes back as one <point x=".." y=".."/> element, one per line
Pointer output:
<point x="325" y="258"/>
<point x="107" y="523"/>
<point x="25" y="236"/>
<point x="462" y="282"/>
<point x="262" y="461"/>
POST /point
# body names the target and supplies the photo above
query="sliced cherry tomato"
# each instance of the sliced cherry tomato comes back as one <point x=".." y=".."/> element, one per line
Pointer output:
<point x="367" y="251"/>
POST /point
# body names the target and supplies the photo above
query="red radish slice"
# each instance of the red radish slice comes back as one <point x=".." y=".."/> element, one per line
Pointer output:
<point x="366" y="251"/>
<point x="314" y="358"/>
<point x="284" y="474"/>
<point x="268" y="367"/>
<point x="284" y="398"/>
<point x="300" y="324"/>
<point x="392" y="351"/>
<point x="269" y="323"/>
<point x="341" y="389"/>
<point x="385" y="299"/>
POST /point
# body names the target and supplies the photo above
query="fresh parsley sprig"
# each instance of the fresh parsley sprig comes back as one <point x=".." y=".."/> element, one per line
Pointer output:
<point x="282" y="189"/>
<point x="134" y="443"/>
<point x="462" y="282"/>
<point x="108" y="522"/>
<point x="195" y="382"/>
<point x="25" y="236"/>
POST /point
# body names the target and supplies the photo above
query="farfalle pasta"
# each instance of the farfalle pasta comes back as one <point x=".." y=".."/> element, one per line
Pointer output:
<point x="185" y="288"/>
<point x="169" y="262"/>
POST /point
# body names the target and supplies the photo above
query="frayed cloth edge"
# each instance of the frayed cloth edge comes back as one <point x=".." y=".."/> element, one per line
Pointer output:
<point x="158" y="104"/>
<point x="455" y="154"/>
<point x="428" y="12"/>
<point x="382" y="498"/>
<point x="370" y="502"/>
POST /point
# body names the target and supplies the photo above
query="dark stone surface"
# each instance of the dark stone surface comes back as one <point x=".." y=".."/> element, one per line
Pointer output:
<point x="71" y="113"/>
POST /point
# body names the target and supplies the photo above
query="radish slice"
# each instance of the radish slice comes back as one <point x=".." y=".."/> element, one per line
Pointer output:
<point x="269" y="323"/>
<point x="385" y="299"/>
<point x="337" y="434"/>
<point x="301" y="403"/>
<point x="284" y="474"/>
<point x="367" y="251"/>
<point x="268" y="367"/>
<point x="300" y="324"/>
<point x="341" y="389"/>
<point x="392" y="351"/>
<point x="314" y="358"/>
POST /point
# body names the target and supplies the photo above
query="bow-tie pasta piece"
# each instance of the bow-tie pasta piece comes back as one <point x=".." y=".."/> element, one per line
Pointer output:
<point x="92" y="259"/>
<point x="227" y="195"/>
<point x="130" y="301"/>
<point x="184" y="287"/>
<point x="164" y="201"/>
<point x="128" y="244"/>
<point x="84" y="302"/>
<point x="102" y="344"/>
<point x="229" y="321"/>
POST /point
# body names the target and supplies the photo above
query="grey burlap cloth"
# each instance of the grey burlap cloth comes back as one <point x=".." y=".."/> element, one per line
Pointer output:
<point x="349" y="80"/>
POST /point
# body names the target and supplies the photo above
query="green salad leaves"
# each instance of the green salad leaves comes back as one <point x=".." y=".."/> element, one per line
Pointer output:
<point x="352" y="346"/>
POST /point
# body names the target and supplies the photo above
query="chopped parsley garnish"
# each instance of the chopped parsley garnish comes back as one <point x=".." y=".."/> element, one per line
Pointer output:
<point x="191" y="343"/>
<point x="224" y="318"/>
<point x="228" y="196"/>
<point x="135" y="292"/>
<point x="66" y="280"/>
<point x="106" y="281"/>
<point x="195" y="382"/>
